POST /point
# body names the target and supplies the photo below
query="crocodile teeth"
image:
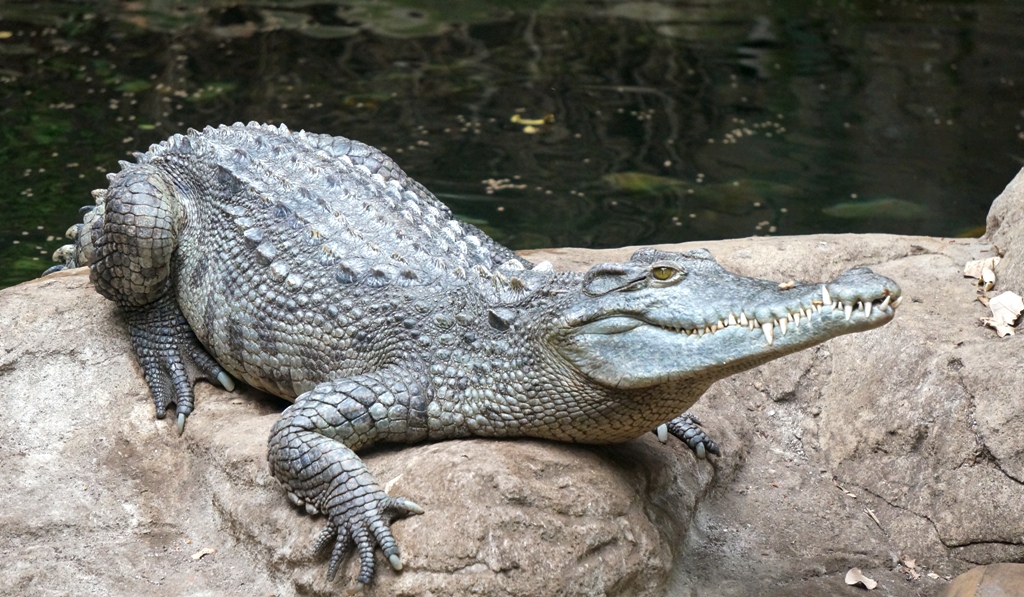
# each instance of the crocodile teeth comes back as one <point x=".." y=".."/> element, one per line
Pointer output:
<point x="732" y="319"/>
<point x="848" y="310"/>
<point x="796" y="318"/>
<point x="896" y="303"/>
<point x="743" y="319"/>
<point x="826" y="298"/>
<point x="783" y="324"/>
<point x="752" y="324"/>
<point x="867" y="308"/>
<point x="768" y="329"/>
<point x="885" y="303"/>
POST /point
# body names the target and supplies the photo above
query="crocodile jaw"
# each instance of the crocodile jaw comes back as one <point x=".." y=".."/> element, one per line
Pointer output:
<point x="629" y="351"/>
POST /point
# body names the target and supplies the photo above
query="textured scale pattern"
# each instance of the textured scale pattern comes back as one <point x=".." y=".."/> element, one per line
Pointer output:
<point x="321" y="218"/>
<point x="314" y="268"/>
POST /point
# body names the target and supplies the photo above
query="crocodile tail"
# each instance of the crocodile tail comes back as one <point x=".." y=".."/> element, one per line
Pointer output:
<point x="81" y="251"/>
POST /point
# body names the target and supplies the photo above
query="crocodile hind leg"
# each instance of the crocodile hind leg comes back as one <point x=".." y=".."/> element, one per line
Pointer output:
<point x="312" y="452"/>
<point x="131" y="263"/>
<point x="687" y="428"/>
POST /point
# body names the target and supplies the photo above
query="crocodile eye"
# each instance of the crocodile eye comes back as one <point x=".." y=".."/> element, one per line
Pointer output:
<point x="662" y="272"/>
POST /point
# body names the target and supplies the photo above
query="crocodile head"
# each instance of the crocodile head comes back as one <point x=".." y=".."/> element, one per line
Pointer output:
<point x="681" y="317"/>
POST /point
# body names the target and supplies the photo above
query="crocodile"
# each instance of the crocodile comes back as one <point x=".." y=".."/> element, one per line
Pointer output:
<point x="312" y="267"/>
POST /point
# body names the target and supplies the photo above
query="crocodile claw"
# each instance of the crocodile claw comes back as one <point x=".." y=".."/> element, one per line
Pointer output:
<point x="366" y="525"/>
<point x="225" y="381"/>
<point x="687" y="428"/>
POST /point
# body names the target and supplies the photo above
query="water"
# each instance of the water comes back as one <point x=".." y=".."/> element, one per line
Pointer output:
<point x="546" y="123"/>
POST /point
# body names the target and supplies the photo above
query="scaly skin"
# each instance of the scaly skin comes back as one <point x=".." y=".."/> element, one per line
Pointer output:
<point x="313" y="268"/>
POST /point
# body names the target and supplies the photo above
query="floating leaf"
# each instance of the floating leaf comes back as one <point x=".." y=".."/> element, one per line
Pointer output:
<point x="888" y="208"/>
<point x="547" y="119"/>
<point x="641" y="182"/>
<point x="134" y="86"/>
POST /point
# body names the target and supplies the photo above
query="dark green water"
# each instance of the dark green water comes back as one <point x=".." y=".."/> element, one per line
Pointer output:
<point x="662" y="121"/>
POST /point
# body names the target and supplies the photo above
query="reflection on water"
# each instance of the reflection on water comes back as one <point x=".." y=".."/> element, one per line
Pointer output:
<point x="546" y="123"/>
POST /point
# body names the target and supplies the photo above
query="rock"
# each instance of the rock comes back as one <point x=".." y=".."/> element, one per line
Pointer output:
<point x="1008" y="208"/>
<point x="903" y="443"/>
<point x="995" y="580"/>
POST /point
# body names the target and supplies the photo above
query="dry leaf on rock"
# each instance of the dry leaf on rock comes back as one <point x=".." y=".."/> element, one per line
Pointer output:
<point x="843" y="489"/>
<point x="911" y="566"/>
<point x="856" y="577"/>
<point x="871" y="513"/>
<point x="983" y="270"/>
<point x="1006" y="308"/>
<point x="203" y="552"/>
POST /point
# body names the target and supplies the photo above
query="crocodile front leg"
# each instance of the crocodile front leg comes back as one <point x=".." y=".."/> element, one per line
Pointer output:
<point x="312" y="452"/>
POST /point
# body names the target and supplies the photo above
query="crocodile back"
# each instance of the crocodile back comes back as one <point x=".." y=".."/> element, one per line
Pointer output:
<point x="362" y="213"/>
<point x="302" y="258"/>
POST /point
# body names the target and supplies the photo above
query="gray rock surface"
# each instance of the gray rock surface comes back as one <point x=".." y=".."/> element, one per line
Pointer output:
<point x="903" y="443"/>
<point x="995" y="580"/>
<point x="1003" y="230"/>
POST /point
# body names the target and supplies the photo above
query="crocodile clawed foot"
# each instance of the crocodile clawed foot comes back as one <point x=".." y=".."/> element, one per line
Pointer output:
<point x="172" y="370"/>
<point x="687" y="429"/>
<point x="363" y="521"/>
<point x="172" y="358"/>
